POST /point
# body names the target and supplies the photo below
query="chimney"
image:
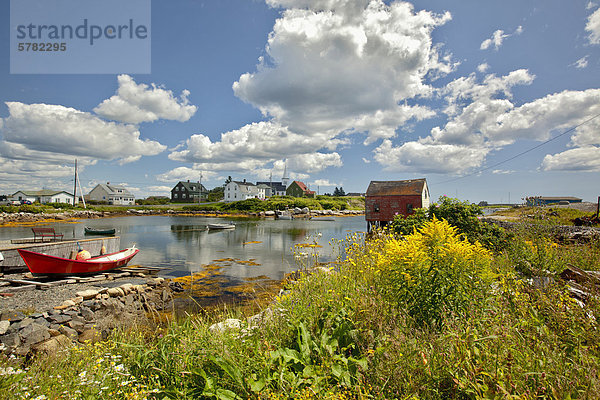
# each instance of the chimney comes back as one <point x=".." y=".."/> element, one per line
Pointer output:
<point x="244" y="180"/>
<point x="188" y="181"/>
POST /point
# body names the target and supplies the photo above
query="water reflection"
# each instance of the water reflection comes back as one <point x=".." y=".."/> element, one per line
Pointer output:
<point x="183" y="245"/>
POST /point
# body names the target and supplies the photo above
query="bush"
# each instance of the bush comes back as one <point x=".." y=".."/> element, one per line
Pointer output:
<point x="433" y="272"/>
<point x="460" y="214"/>
<point x="407" y="225"/>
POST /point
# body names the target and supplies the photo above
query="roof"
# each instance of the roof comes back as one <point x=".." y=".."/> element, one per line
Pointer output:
<point x="558" y="198"/>
<point x="188" y="185"/>
<point x="302" y="185"/>
<point x="112" y="189"/>
<point x="412" y="187"/>
<point x="244" y="183"/>
<point x="45" y="192"/>
<point x="277" y="186"/>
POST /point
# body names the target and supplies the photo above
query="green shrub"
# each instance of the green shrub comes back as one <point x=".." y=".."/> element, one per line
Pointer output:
<point x="407" y="225"/>
<point x="460" y="214"/>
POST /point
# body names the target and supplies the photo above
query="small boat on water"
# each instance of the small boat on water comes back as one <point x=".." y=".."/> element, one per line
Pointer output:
<point x="43" y="264"/>
<point x="99" y="231"/>
<point x="285" y="217"/>
<point x="322" y="219"/>
<point x="220" y="226"/>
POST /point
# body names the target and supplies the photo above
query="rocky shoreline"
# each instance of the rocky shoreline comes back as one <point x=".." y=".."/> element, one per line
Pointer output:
<point x="44" y="321"/>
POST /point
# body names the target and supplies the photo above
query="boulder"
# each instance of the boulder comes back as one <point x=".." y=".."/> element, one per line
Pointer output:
<point x="33" y="334"/>
<point x="229" y="323"/>
<point x="86" y="313"/>
<point x="53" y="345"/>
<point x="12" y="340"/>
<point x="90" y="336"/>
<point x="88" y="294"/>
<point x="68" y="332"/>
<point x="116" y="292"/>
<point x="12" y="316"/>
<point x="127" y="288"/>
<point x="59" y="318"/>
<point x="66" y="304"/>
<point x="4" y="327"/>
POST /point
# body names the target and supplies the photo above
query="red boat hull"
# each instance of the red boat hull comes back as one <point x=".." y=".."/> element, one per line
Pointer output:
<point x="42" y="264"/>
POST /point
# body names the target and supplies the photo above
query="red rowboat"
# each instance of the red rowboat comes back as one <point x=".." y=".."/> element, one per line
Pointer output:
<point x="42" y="264"/>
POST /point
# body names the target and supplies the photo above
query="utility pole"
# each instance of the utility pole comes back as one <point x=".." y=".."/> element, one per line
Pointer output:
<point x="75" y="185"/>
<point x="200" y="189"/>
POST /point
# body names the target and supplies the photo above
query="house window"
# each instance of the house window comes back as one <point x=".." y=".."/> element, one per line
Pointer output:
<point x="376" y="207"/>
<point x="177" y="188"/>
<point x="192" y="188"/>
<point x="183" y="195"/>
<point x="175" y="195"/>
<point x="409" y="208"/>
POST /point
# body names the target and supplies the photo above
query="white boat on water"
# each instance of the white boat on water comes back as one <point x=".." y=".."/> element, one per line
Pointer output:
<point x="322" y="219"/>
<point x="220" y="226"/>
<point x="285" y="217"/>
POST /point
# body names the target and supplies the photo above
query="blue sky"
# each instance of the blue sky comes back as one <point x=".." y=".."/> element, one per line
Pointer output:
<point x="345" y="91"/>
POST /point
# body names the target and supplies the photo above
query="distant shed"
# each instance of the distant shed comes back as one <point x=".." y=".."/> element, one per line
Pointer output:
<point x="386" y="199"/>
<point x="546" y="200"/>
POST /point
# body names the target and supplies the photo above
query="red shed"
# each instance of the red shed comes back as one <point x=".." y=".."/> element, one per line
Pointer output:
<point x="386" y="199"/>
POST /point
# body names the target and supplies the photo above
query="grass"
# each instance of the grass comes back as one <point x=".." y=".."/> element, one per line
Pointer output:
<point x="346" y="331"/>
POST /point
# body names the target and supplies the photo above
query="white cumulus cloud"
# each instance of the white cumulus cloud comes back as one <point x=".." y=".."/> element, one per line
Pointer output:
<point x="134" y="103"/>
<point x="56" y="129"/>
<point x="579" y="159"/>
<point x="593" y="27"/>
<point x="329" y="67"/>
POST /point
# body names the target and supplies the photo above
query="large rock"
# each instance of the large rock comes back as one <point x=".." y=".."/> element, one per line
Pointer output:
<point x="12" y="340"/>
<point x="127" y="288"/>
<point x="116" y="292"/>
<point x="51" y="346"/>
<point x="68" y="332"/>
<point x="88" y="294"/>
<point x="59" y="318"/>
<point x="33" y="334"/>
<point x="90" y="336"/>
<point x="86" y="313"/>
<point x="12" y="316"/>
<point x="4" y="327"/>
<point x="230" y="323"/>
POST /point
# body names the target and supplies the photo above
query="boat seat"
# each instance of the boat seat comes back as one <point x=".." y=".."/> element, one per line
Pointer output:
<point x="43" y="233"/>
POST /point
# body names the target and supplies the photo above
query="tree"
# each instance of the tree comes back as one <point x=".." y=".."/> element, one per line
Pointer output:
<point x="228" y="179"/>
<point x="336" y="191"/>
<point x="341" y="192"/>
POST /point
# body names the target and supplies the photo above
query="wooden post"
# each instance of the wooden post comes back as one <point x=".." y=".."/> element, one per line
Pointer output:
<point x="598" y="207"/>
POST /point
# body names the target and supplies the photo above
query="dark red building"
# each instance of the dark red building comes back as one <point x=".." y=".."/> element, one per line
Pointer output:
<point x="386" y="199"/>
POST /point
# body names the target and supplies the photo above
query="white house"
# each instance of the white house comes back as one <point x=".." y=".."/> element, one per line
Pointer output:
<point x="112" y="194"/>
<point x="236" y="191"/>
<point x="44" y="196"/>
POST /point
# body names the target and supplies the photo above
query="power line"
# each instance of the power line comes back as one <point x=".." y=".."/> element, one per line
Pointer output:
<point x="520" y="154"/>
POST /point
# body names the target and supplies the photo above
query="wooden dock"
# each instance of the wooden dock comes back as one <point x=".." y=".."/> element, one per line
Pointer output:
<point x="14" y="263"/>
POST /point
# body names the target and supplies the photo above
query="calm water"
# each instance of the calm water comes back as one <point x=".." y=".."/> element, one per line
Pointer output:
<point x="182" y="245"/>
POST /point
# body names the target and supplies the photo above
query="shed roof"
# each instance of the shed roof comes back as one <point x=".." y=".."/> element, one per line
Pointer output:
<point x="559" y="198"/>
<point x="409" y="187"/>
